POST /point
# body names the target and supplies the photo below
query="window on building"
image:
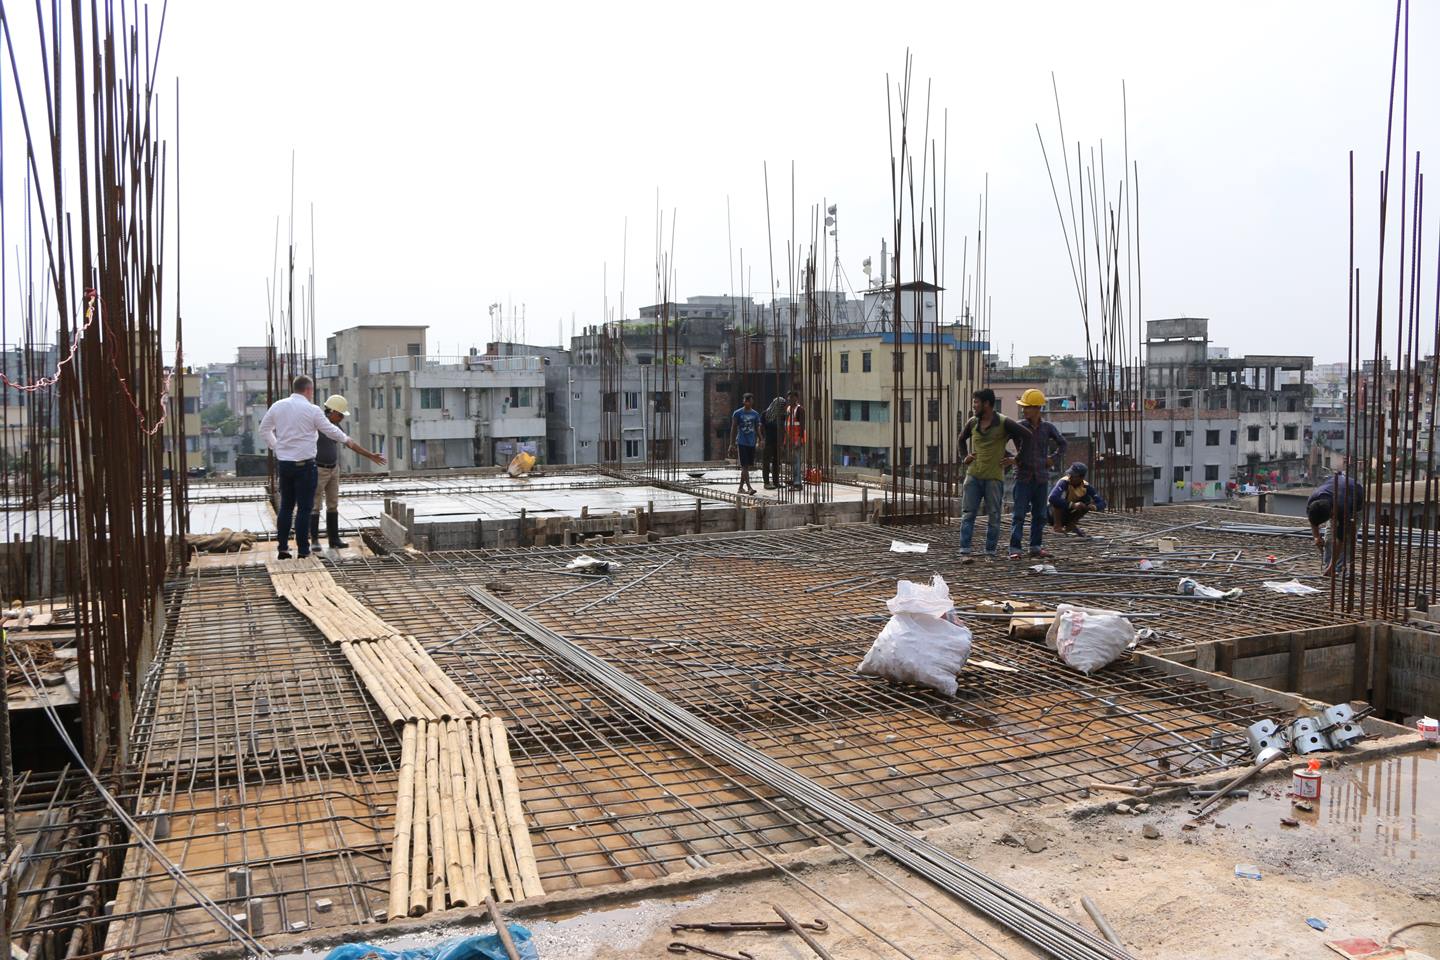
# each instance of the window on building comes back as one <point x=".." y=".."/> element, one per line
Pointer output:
<point x="662" y="405"/>
<point x="906" y="413"/>
<point x="1291" y="432"/>
<point x="844" y="363"/>
<point x="1234" y="436"/>
<point x="1212" y="438"/>
<point x="1254" y="404"/>
<point x="865" y="362"/>
<point x="1212" y="471"/>
<point x="354" y="369"/>
<point x="1179" y="438"/>
<point x="413" y="350"/>
<point x="1156" y="438"/>
<point x="584" y="443"/>
<point x="632" y="449"/>
<point x="1179" y="474"/>
<point x="684" y="441"/>
<point x="396" y="403"/>
<point x="932" y="410"/>
<point x="932" y="363"/>
<point x="1155" y="473"/>
<point x="431" y="398"/>
<point x="684" y="394"/>
<point x="191" y="405"/>
<point x="1252" y="434"/>
<point x="377" y="398"/>
<point x="1292" y="405"/>
<point x="377" y="443"/>
<point x="632" y="400"/>
<point x="865" y="410"/>
<point x="576" y="396"/>
<point x="905" y="458"/>
<point x="645" y="360"/>
<point x="842" y="409"/>
<point x="521" y="396"/>
<point x="1129" y="439"/>
<point x="399" y="448"/>
<point x="932" y="456"/>
<point x="220" y="456"/>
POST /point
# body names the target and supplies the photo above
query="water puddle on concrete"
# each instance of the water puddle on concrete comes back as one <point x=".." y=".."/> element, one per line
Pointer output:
<point x="1387" y="809"/>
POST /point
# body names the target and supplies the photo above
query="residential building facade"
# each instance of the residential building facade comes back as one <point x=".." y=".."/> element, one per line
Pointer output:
<point x="347" y="371"/>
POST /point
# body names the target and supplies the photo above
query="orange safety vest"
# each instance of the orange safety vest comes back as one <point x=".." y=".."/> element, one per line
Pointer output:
<point x="794" y="423"/>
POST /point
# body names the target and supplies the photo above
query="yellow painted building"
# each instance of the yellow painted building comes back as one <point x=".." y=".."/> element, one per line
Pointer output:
<point x="870" y="418"/>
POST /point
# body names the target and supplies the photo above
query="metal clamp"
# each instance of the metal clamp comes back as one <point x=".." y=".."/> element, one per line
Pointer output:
<point x="678" y="947"/>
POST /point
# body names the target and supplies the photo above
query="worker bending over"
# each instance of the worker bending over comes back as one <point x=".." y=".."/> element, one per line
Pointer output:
<point x="1339" y="501"/>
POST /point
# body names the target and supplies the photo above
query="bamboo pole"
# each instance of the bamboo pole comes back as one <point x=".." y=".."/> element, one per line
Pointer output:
<point x="404" y="812"/>
<point x="481" y="828"/>
<point x="502" y="868"/>
<point x="437" y="825"/>
<point x="515" y="814"/>
<point x="463" y="831"/>
<point x="393" y="714"/>
<point x="420" y="855"/>
<point x="460" y="894"/>
<point x="409" y="673"/>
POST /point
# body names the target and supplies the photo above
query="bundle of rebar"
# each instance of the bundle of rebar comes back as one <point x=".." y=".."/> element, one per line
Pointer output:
<point x="1102" y="233"/>
<point x="1391" y="400"/>
<point x="1030" y="920"/>
<point x="96" y="160"/>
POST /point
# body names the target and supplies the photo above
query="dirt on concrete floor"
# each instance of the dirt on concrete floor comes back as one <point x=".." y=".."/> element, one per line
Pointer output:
<point x="1365" y="861"/>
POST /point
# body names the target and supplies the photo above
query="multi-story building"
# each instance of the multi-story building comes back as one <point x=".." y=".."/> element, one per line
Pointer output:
<point x="346" y="371"/>
<point x="185" y="387"/>
<point x="435" y="413"/>
<point x="1272" y="402"/>
<point x="865" y="403"/>
<point x="661" y="413"/>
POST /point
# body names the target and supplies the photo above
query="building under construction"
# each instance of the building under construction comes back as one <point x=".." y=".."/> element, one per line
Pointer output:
<point x="623" y="710"/>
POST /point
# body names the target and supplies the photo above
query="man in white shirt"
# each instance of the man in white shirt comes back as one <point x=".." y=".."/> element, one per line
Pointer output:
<point x="290" y="428"/>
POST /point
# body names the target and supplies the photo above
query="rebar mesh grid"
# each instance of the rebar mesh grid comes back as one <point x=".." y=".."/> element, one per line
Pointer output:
<point x="267" y="756"/>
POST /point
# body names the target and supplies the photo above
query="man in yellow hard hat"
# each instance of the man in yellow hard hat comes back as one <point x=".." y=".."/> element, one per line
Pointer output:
<point x="327" y="465"/>
<point x="1035" y="455"/>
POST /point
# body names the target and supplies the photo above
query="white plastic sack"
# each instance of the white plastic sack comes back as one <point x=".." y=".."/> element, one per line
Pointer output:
<point x="1087" y="639"/>
<point x="1194" y="588"/>
<point x="922" y="643"/>
<point x="1289" y="586"/>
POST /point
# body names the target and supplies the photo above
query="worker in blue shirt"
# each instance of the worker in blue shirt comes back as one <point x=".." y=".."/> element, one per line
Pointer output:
<point x="1071" y="499"/>
<point x="745" y="433"/>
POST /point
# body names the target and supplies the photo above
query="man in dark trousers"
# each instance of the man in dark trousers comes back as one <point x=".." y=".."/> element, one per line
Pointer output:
<point x="1339" y="501"/>
<point x="290" y="428"/>
<point x="327" y="467"/>
<point x="770" y="458"/>
<point x="745" y="435"/>
<point x="1032" y="461"/>
<point x="795" y="439"/>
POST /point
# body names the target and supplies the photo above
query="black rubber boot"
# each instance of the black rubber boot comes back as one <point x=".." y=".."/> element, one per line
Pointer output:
<point x="332" y="530"/>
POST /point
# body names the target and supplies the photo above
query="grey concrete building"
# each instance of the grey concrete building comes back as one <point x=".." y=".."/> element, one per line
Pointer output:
<point x="574" y="413"/>
<point x="346" y="371"/>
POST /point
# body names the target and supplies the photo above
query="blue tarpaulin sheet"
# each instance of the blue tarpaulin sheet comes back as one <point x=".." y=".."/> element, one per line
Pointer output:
<point x="485" y="947"/>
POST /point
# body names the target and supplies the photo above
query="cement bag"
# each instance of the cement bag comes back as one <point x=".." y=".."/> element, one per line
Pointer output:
<point x="1087" y="639"/>
<point x="923" y="643"/>
<point x="521" y="464"/>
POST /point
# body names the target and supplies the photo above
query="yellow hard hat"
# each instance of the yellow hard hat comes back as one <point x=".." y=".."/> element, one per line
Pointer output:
<point x="337" y="403"/>
<point x="1032" y="398"/>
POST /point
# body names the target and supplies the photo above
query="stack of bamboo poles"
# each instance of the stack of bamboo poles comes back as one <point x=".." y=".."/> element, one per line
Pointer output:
<point x="460" y="829"/>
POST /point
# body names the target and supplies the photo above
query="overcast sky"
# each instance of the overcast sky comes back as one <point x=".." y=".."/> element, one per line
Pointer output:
<point x="459" y="155"/>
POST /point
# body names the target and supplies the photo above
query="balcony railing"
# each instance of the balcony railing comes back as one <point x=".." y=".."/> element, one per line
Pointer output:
<point x="457" y="364"/>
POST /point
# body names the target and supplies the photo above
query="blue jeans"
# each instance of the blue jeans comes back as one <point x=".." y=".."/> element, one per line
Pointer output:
<point x="297" y="499"/>
<point x="1031" y="497"/>
<point x="797" y="461"/>
<point x="1335" y="545"/>
<point x="993" y="491"/>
